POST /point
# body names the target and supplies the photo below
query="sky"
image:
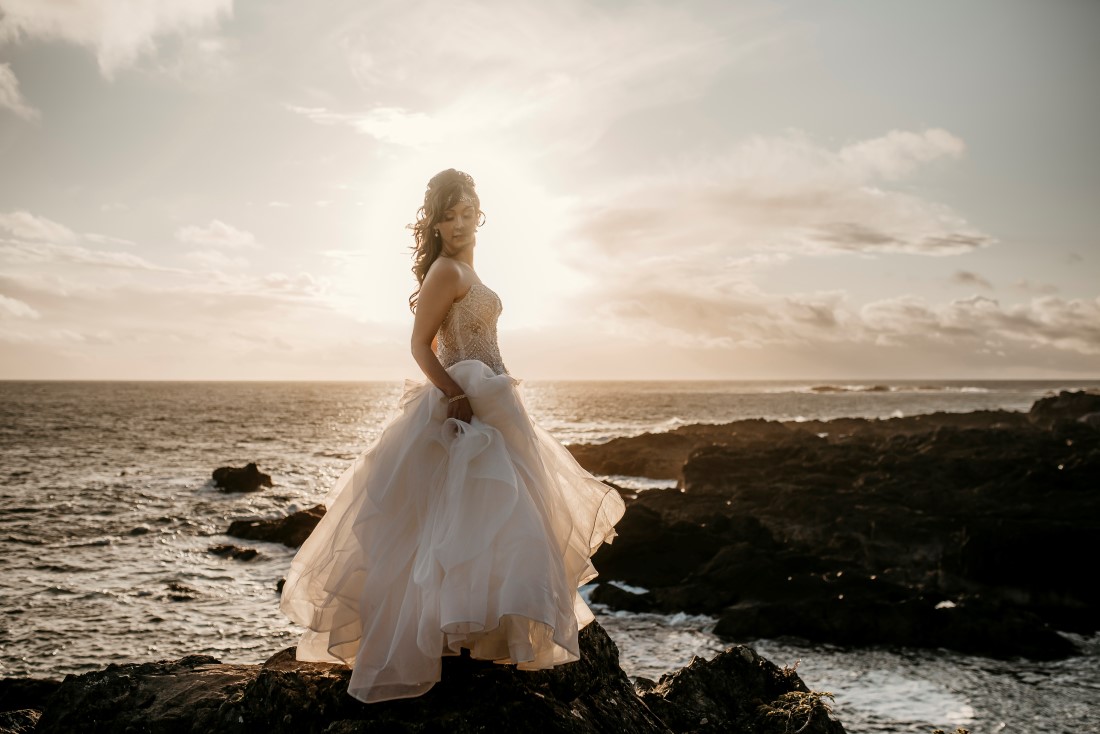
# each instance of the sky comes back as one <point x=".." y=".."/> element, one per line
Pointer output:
<point x="722" y="189"/>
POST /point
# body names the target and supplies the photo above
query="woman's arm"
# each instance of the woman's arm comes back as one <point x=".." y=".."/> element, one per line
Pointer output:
<point x="437" y="293"/>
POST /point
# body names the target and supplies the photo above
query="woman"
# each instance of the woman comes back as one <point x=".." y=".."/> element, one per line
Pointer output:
<point x="465" y="524"/>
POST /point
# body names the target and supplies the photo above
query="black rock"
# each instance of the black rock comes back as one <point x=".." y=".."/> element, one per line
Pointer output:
<point x="25" y="693"/>
<point x="851" y="530"/>
<point x="739" y="691"/>
<point x="234" y="551"/>
<point x="243" y="479"/>
<point x="291" y="530"/>
<point x="617" y="598"/>
<point x="591" y="695"/>
<point x="21" y="721"/>
<point x="1067" y="405"/>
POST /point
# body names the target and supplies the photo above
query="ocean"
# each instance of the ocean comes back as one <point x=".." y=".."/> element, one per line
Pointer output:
<point x="107" y="515"/>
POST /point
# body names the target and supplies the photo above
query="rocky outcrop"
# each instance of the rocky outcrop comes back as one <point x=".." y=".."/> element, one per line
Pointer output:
<point x="736" y="692"/>
<point x="946" y="530"/>
<point x="291" y="530"/>
<point x="241" y="479"/>
<point x="1065" y="406"/>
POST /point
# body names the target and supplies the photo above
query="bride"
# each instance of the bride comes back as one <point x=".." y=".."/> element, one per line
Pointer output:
<point x="465" y="524"/>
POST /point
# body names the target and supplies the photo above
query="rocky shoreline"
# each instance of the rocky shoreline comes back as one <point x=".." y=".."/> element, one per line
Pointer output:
<point x="735" y="692"/>
<point x="964" y="531"/>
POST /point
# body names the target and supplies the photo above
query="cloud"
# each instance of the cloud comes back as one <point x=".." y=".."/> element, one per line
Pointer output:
<point x="387" y="124"/>
<point x="11" y="97"/>
<point x="118" y="31"/>
<point x="722" y="313"/>
<point x="981" y="322"/>
<point x="561" y="73"/>
<point x="43" y="252"/>
<point x="965" y="277"/>
<point x="15" y="307"/>
<point x="782" y="193"/>
<point x="27" y="226"/>
<point x="899" y="152"/>
<point x="105" y="239"/>
<point x="1030" y="286"/>
<point x="216" y="234"/>
<point x="215" y="260"/>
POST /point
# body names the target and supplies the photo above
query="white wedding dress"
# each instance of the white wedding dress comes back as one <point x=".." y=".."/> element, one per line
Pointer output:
<point x="445" y="535"/>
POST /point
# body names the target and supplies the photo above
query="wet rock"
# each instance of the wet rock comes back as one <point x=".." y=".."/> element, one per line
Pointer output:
<point x="198" y="693"/>
<point x="618" y="598"/>
<point x="241" y="479"/>
<point x="25" y="693"/>
<point x="1066" y="405"/>
<point x="776" y="525"/>
<point x="291" y="530"/>
<point x="180" y="592"/>
<point x="738" y="691"/>
<point x="21" y="721"/>
<point x="1092" y="420"/>
<point x="234" y="551"/>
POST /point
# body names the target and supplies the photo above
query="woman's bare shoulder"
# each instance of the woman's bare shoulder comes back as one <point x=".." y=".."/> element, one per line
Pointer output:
<point x="444" y="268"/>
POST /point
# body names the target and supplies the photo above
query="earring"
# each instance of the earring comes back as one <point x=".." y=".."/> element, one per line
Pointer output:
<point x="437" y="233"/>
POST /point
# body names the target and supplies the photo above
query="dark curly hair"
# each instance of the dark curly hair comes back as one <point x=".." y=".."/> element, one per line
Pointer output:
<point x="445" y="190"/>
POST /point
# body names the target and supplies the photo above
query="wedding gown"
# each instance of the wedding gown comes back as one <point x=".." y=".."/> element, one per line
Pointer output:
<point x="445" y="535"/>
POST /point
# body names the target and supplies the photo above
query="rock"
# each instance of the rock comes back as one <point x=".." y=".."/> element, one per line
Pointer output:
<point x="25" y="693"/>
<point x="291" y="530"/>
<point x="198" y="693"/>
<point x="1066" y="405"/>
<point x="233" y="551"/>
<point x="245" y="479"/>
<point x="850" y="531"/>
<point x="181" y="592"/>
<point x="738" y="691"/>
<point x="1092" y="420"/>
<point x="975" y="627"/>
<point x="617" y="598"/>
<point x="22" y="721"/>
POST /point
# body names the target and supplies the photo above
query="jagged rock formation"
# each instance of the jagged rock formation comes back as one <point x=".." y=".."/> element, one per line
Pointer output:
<point x="954" y="530"/>
<point x="737" y="692"/>
<point x="291" y="530"/>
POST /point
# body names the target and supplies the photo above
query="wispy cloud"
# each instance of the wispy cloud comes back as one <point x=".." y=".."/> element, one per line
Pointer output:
<point x="24" y="225"/>
<point x="15" y="307"/>
<point x="44" y="252"/>
<point x="984" y="323"/>
<point x="118" y="31"/>
<point x="215" y="260"/>
<point x="966" y="277"/>
<point x="785" y="193"/>
<point x="12" y="98"/>
<point x="561" y="72"/>
<point x="216" y="234"/>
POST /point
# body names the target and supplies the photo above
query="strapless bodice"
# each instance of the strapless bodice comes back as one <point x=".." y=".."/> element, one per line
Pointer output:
<point x="469" y="330"/>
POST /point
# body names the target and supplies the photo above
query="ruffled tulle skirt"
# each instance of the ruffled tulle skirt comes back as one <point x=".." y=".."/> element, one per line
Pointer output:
<point x="445" y="535"/>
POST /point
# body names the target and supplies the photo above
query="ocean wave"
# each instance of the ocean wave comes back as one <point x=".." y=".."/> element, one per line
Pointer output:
<point x="859" y="388"/>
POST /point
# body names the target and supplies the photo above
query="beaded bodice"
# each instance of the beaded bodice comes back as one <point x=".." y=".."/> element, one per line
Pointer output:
<point x="469" y="330"/>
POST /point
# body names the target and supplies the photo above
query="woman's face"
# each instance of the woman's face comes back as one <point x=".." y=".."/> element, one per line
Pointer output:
<point x="458" y="227"/>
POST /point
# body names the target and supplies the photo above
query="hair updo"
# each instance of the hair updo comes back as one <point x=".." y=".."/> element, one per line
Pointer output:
<point x="445" y="190"/>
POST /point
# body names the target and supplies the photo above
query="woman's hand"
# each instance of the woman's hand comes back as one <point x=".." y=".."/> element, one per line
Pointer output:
<point x="460" y="409"/>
